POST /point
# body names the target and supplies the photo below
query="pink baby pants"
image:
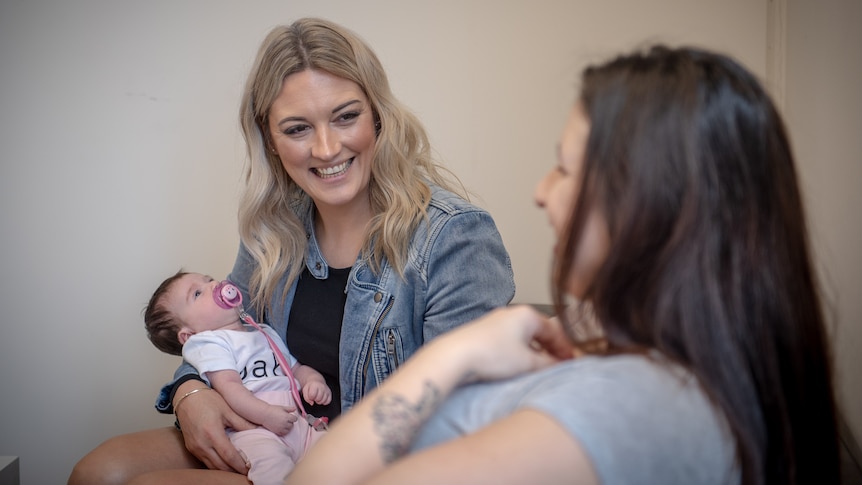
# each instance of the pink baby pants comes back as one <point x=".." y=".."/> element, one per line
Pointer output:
<point x="271" y="456"/>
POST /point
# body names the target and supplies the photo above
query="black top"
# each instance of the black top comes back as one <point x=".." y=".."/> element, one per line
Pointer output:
<point x="314" y="330"/>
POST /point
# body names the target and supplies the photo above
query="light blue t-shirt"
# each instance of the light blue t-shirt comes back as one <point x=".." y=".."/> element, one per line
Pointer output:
<point x="639" y="420"/>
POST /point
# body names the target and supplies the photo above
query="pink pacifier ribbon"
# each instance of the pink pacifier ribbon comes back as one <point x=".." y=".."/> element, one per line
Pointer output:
<point x="227" y="296"/>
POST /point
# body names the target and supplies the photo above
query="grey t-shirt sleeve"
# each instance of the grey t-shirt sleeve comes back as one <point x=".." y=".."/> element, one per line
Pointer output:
<point x="639" y="421"/>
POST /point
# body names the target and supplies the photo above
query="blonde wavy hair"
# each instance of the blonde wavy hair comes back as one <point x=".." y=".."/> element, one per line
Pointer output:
<point x="401" y="170"/>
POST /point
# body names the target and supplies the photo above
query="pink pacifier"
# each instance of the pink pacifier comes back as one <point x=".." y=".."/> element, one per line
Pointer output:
<point x="226" y="295"/>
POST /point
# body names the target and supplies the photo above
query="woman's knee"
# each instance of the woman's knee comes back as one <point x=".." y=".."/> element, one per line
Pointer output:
<point x="102" y="466"/>
<point x="121" y="458"/>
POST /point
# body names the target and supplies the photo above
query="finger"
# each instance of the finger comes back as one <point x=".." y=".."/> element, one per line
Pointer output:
<point x="237" y="422"/>
<point x="550" y="337"/>
<point x="208" y="456"/>
<point x="544" y="359"/>
<point x="229" y="458"/>
<point x="214" y="462"/>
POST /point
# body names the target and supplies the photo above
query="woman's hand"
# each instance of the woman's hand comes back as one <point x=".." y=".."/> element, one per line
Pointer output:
<point x="504" y="343"/>
<point x="203" y="418"/>
<point x="380" y="428"/>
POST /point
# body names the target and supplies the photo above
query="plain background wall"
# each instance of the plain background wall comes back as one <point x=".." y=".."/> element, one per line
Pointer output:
<point x="121" y="159"/>
<point x="824" y="115"/>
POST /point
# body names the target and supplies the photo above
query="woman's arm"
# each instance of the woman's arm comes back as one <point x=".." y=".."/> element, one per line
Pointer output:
<point x="228" y="383"/>
<point x="203" y="418"/>
<point x="469" y="272"/>
<point x="525" y="447"/>
<point x="379" y="431"/>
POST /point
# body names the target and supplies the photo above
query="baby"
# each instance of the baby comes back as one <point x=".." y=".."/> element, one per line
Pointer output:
<point x="184" y="318"/>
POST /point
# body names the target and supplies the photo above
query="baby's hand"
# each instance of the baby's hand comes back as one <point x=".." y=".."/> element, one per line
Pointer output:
<point x="317" y="392"/>
<point x="279" y="419"/>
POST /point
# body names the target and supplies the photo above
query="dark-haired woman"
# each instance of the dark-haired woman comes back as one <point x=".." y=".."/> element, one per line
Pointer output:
<point x="691" y="346"/>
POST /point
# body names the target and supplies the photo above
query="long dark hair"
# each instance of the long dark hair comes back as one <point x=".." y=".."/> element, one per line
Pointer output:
<point x="709" y="258"/>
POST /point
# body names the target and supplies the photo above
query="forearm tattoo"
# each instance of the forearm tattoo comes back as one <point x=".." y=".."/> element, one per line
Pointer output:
<point x="397" y="421"/>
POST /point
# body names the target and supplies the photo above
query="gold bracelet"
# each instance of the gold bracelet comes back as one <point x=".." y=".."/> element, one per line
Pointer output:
<point x="177" y="405"/>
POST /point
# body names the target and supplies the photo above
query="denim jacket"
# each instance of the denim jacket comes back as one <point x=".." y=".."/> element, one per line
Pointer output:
<point x="457" y="270"/>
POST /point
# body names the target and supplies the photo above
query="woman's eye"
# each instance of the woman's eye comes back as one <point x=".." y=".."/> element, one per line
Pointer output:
<point x="295" y="130"/>
<point x="349" y="116"/>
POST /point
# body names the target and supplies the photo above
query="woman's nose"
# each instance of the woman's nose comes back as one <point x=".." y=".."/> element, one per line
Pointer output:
<point x="541" y="190"/>
<point x="326" y="144"/>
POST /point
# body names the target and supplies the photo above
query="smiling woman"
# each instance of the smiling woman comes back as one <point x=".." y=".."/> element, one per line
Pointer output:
<point x="555" y="193"/>
<point x="322" y="128"/>
<point x="349" y="231"/>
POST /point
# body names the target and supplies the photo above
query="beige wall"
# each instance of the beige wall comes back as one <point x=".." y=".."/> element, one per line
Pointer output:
<point x="824" y="114"/>
<point x="120" y="161"/>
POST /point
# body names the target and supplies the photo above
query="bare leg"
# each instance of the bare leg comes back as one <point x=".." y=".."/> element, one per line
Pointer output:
<point x="121" y="458"/>
<point x="187" y="477"/>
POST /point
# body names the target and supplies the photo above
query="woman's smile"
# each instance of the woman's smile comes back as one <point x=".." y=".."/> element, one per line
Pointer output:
<point x="322" y="128"/>
<point x="332" y="172"/>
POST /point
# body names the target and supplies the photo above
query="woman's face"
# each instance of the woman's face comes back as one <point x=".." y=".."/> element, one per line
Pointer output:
<point x="322" y="128"/>
<point x="556" y="193"/>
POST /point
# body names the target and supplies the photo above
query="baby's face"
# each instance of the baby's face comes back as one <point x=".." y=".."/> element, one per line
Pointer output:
<point x="190" y="298"/>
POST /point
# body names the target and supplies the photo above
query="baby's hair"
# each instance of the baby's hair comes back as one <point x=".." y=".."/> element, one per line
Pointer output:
<point x="161" y="324"/>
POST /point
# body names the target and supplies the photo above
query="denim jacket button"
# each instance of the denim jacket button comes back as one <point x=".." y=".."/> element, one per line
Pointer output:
<point x="377" y="297"/>
<point x="317" y="266"/>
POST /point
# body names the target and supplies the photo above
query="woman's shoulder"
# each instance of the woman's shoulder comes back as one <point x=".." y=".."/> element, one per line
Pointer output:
<point x="450" y="220"/>
<point x="639" y="418"/>
<point x="611" y="404"/>
<point x="449" y="203"/>
<point x="589" y="384"/>
<point x="640" y="381"/>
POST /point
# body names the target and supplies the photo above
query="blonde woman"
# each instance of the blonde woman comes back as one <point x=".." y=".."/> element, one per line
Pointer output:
<point x="356" y="247"/>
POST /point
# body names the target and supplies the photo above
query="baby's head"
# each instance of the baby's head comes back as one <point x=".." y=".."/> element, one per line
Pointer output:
<point x="161" y="322"/>
<point x="182" y="306"/>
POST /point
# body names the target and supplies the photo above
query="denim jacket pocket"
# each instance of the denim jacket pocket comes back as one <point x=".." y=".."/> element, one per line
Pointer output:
<point x="394" y="349"/>
<point x="387" y="354"/>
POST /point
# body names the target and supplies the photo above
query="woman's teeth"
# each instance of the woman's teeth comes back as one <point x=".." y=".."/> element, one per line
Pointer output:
<point x="333" y="171"/>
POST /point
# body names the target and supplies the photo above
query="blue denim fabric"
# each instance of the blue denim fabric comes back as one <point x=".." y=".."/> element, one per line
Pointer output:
<point x="457" y="270"/>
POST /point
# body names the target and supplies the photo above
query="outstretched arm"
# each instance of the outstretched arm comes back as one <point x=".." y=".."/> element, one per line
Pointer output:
<point x="278" y="419"/>
<point x="370" y="441"/>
